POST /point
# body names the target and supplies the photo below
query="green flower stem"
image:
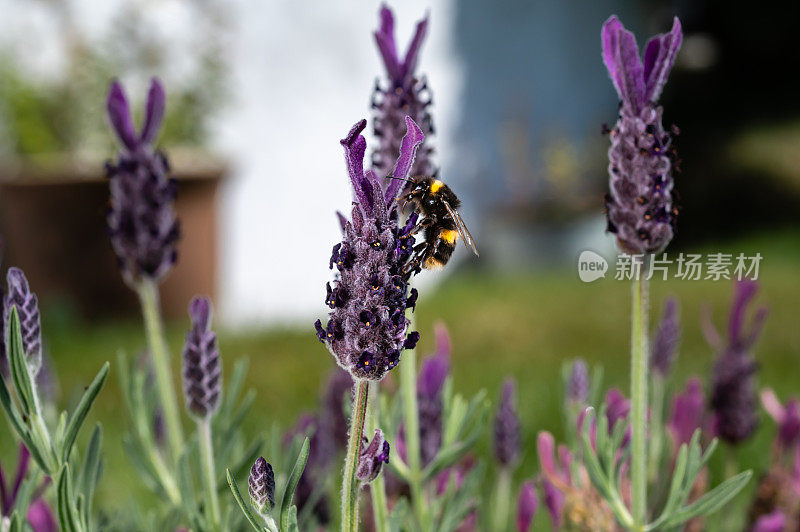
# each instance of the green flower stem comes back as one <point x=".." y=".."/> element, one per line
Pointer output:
<point x="377" y="487"/>
<point x="408" y="387"/>
<point x="656" y="427"/>
<point x="209" y="472"/>
<point x="639" y="359"/>
<point x="148" y="296"/>
<point x="502" y="500"/>
<point x="350" y="484"/>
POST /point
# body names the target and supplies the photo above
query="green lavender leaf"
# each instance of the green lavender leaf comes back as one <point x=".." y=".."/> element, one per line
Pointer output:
<point x="90" y="472"/>
<point x="20" y="373"/>
<point x="82" y="411"/>
<point x="711" y="501"/>
<point x="66" y="513"/>
<point x="237" y="496"/>
<point x="291" y="484"/>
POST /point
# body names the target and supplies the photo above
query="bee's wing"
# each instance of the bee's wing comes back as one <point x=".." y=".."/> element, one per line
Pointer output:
<point x="462" y="229"/>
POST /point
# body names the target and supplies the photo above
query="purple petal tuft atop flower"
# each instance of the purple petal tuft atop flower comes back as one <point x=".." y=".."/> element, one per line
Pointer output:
<point x="786" y="416"/>
<point x="639" y="205"/>
<point x="367" y="327"/>
<point x="688" y="412"/>
<point x="733" y="396"/>
<point x="431" y="379"/>
<point x="554" y="502"/>
<point x="404" y="95"/>
<point x="774" y="522"/>
<point x="578" y="383"/>
<point x="373" y="455"/>
<point x="527" y="504"/>
<point x="141" y="221"/>
<point x="667" y="339"/>
<point x="506" y="426"/>
<point x="262" y="486"/>
<point x="20" y="296"/>
<point x="201" y="365"/>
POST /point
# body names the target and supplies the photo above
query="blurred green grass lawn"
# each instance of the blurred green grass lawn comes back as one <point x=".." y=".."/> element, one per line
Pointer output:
<point x="524" y="325"/>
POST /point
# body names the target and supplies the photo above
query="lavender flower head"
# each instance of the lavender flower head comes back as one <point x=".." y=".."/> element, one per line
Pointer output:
<point x="373" y="455"/>
<point x="506" y="426"/>
<point x="201" y="365"/>
<point x="141" y="220"/>
<point x="733" y="395"/>
<point x="668" y="336"/>
<point x="262" y="486"/>
<point x="367" y="327"/>
<point x="431" y="380"/>
<point x="20" y="296"/>
<point x="688" y="412"/>
<point x="578" y="383"/>
<point x="639" y="205"/>
<point x="403" y="95"/>
<point x="527" y="504"/>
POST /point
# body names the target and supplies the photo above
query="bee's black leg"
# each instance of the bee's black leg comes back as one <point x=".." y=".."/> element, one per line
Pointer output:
<point x="424" y="224"/>
<point x="421" y="253"/>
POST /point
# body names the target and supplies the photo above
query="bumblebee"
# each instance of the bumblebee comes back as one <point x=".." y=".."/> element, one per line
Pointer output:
<point x="438" y="206"/>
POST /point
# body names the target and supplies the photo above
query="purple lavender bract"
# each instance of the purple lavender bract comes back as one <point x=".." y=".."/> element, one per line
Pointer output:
<point x="20" y="296"/>
<point x="141" y="221"/>
<point x="367" y="328"/>
<point x="373" y="455"/>
<point x="404" y="95"/>
<point x="201" y="365"/>
<point x="506" y="427"/>
<point x="639" y="205"/>
<point x="527" y="504"/>
<point x="261" y="485"/>
<point x="733" y="393"/>
<point x="667" y="338"/>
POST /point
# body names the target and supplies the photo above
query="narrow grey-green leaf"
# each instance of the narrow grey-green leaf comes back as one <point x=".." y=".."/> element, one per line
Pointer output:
<point x="711" y="501"/>
<point x="237" y="496"/>
<point x="20" y="373"/>
<point x="82" y="410"/>
<point x="291" y="484"/>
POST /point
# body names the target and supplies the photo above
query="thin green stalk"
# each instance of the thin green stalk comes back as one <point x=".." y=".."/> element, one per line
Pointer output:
<point x="656" y="427"/>
<point x="350" y="485"/>
<point x="408" y="387"/>
<point x="377" y="487"/>
<point x="148" y="296"/>
<point x="502" y="500"/>
<point x="209" y="472"/>
<point x="639" y="359"/>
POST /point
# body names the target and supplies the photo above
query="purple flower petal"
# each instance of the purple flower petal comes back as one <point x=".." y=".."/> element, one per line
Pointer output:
<point x="436" y="368"/>
<point x="527" y="504"/>
<point x="554" y="502"/>
<point x="154" y="112"/>
<point x="384" y="38"/>
<point x="621" y="56"/>
<point x="355" y="145"/>
<point x="412" y="54"/>
<point x="120" y="115"/>
<point x="41" y="517"/>
<point x="659" y="56"/>
<point x="773" y="522"/>
<point x="408" y="150"/>
<point x="688" y="412"/>
<point x="745" y="291"/>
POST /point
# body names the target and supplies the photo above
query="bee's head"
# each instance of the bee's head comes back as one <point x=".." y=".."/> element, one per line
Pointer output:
<point x="419" y="186"/>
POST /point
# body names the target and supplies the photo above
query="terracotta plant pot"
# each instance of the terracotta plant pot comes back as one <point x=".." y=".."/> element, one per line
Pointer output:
<point x="52" y="222"/>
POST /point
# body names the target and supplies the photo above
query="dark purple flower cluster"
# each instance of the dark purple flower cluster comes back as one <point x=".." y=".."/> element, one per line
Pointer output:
<point x="261" y="484"/>
<point x="733" y="393"/>
<point x="141" y="221"/>
<point x="668" y="336"/>
<point x="367" y="326"/>
<point x="639" y="205"/>
<point x="431" y="380"/>
<point x="20" y="296"/>
<point x="402" y="95"/>
<point x="373" y="455"/>
<point x="201" y="362"/>
<point x="506" y="426"/>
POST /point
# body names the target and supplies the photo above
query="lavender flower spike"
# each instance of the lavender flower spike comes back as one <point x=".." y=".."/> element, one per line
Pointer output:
<point x="639" y="205"/>
<point x="20" y="296"/>
<point x="527" y="504"/>
<point x="667" y="339"/>
<point x="578" y="383"/>
<point x="367" y="328"/>
<point x="141" y="221"/>
<point x="733" y="395"/>
<point x="201" y="364"/>
<point x="431" y="380"/>
<point x="688" y="412"/>
<point x="262" y="486"/>
<point x="403" y="95"/>
<point x="506" y="427"/>
<point x="373" y="455"/>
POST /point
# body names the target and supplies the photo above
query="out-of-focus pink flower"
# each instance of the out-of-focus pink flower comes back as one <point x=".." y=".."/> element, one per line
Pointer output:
<point x="554" y="502"/>
<point x="786" y="416"/>
<point x="688" y="412"/>
<point x="527" y="504"/>
<point x="41" y="517"/>
<point x="773" y="522"/>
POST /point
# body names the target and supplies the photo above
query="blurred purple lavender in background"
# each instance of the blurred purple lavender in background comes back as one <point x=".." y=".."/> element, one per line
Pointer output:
<point x="787" y="416"/>
<point x="201" y="362"/>
<point x="527" y="504"/>
<point x="774" y="522"/>
<point x="402" y="95"/>
<point x="141" y="221"/>
<point x="368" y="327"/>
<point x="431" y="380"/>
<point x="578" y="383"/>
<point x="667" y="339"/>
<point x="20" y="296"/>
<point x="639" y="204"/>
<point x="374" y="454"/>
<point x="506" y="426"/>
<point x="688" y="412"/>
<point x="733" y="395"/>
<point x="39" y="515"/>
<point x="261" y="485"/>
